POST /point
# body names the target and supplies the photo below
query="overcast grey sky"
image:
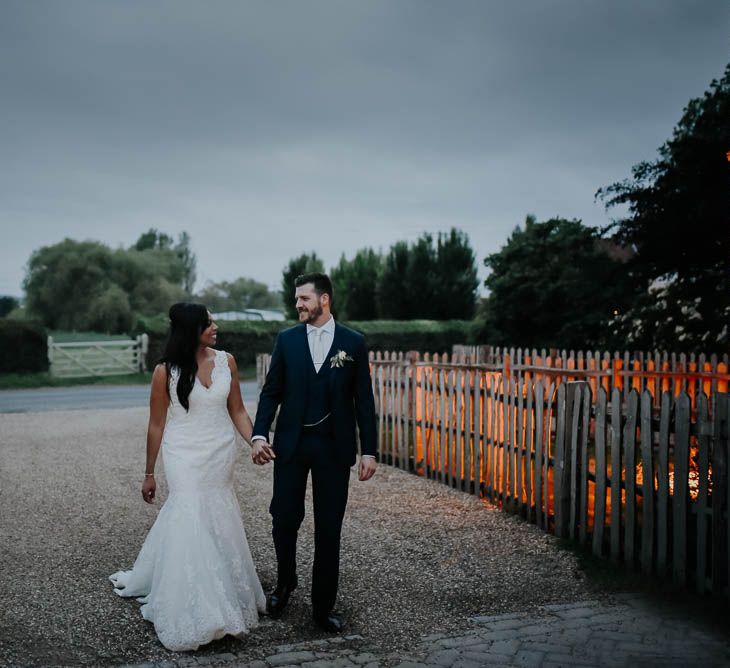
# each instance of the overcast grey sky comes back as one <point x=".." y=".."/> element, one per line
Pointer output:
<point x="265" y="129"/>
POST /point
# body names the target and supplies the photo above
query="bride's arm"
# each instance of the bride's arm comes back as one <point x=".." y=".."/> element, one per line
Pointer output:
<point x="236" y="409"/>
<point x="159" y="402"/>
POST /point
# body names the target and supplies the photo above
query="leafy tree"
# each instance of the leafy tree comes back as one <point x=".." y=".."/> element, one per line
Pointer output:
<point x="63" y="279"/>
<point x="179" y="255"/>
<point x="456" y="288"/>
<point x="240" y="294"/>
<point x="79" y="285"/>
<point x="303" y="264"/>
<point x="355" y="283"/>
<point x="109" y="311"/>
<point x="678" y="221"/>
<point x="393" y="298"/>
<point x="7" y="304"/>
<point x="188" y="262"/>
<point x="426" y="280"/>
<point x="553" y="284"/>
<point x="153" y="239"/>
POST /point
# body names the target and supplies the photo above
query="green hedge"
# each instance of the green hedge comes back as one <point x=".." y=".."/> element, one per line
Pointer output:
<point x="245" y="339"/>
<point x="23" y="347"/>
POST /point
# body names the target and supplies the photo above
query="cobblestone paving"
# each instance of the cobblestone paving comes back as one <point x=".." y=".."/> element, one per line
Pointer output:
<point x="626" y="632"/>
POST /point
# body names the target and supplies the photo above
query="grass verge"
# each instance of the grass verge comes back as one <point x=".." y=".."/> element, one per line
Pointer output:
<point x="24" y="381"/>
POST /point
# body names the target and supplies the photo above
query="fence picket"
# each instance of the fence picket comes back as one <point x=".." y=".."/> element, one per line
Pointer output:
<point x="647" y="487"/>
<point x="599" y="508"/>
<point x="539" y="418"/>
<point x="629" y="442"/>
<point x="559" y="462"/>
<point x="583" y="464"/>
<point x="662" y="515"/>
<point x="703" y="458"/>
<point x="615" y="434"/>
<point x="720" y="495"/>
<point x="681" y="488"/>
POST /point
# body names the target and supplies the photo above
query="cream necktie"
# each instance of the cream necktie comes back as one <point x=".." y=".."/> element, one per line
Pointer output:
<point x="317" y="352"/>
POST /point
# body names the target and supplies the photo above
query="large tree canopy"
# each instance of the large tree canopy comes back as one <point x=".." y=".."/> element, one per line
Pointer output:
<point x="85" y="285"/>
<point x="355" y="284"/>
<point x="553" y="284"/>
<point x="679" y="223"/>
<point x="426" y="280"/>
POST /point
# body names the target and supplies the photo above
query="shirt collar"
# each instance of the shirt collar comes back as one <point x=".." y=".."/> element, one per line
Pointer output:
<point x="328" y="327"/>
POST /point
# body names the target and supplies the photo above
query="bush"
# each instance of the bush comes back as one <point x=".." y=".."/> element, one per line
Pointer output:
<point x="23" y="346"/>
<point x="245" y="339"/>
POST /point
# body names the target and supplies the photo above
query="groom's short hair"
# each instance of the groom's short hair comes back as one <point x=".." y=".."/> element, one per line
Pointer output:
<point x="321" y="282"/>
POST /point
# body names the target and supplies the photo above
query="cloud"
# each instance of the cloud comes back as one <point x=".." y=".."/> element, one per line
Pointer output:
<point x="265" y="129"/>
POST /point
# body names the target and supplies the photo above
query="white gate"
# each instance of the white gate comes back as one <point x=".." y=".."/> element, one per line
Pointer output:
<point x="97" y="358"/>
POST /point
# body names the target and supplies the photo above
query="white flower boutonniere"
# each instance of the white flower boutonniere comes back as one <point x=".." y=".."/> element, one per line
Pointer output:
<point x="339" y="359"/>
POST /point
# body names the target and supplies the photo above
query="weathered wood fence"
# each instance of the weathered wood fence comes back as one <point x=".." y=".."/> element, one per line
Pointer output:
<point x="647" y="487"/>
<point x="655" y="371"/>
<point x="97" y="358"/>
<point x="638" y="474"/>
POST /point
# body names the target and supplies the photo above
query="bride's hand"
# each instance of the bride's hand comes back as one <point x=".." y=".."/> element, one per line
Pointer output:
<point x="149" y="486"/>
<point x="262" y="452"/>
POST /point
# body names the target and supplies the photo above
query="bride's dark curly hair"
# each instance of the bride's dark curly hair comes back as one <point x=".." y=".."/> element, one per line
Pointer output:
<point x="187" y="323"/>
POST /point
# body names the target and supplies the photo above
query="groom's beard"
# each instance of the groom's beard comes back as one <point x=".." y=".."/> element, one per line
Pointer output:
<point x="310" y="315"/>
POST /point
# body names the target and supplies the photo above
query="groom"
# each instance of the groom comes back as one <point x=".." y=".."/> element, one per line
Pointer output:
<point x="320" y="376"/>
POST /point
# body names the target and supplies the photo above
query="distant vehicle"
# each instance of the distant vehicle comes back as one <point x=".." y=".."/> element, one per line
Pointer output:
<point x="249" y="314"/>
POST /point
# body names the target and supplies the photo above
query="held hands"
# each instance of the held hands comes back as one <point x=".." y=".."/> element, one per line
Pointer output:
<point x="261" y="452"/>
<point x="367" y="468"/>
<point x="149" y="486"/>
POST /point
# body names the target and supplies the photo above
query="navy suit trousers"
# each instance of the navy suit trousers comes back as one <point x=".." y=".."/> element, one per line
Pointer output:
<point x="314" y="452"/>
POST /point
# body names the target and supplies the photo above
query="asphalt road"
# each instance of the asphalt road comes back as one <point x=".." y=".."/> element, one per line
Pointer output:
<point x="91" y="397"/>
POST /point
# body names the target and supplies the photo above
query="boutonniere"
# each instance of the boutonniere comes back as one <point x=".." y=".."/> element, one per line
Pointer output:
<point x="339" y="359"/>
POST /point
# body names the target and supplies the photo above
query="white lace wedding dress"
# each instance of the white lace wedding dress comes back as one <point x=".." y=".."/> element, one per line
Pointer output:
<point x="194" y="574"/>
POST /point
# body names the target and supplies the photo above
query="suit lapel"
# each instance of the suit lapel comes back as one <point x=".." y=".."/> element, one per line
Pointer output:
<point x="302" y="355"/>
<point x="336" y="345"/>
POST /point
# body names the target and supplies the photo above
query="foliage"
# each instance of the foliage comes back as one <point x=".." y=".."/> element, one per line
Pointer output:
<point x="552" y="284"/>
<point x="7" y="304"/>
<point x="237" y="295"/>
<point x="160" y="242"/>
<point x="678" y="221"/>
<point x="355" y="284"/>
<point x="245" y="339"/>
<point x="303" y="264"/>
<point x="110" y="310"/>
<point x="23" y="347"/>
<point x="81" y="285"/>
<point x="430" y="281"/>
<point x="393" y="295"/>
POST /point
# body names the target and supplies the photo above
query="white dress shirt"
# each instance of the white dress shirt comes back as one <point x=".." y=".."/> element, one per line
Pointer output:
<point x="327" y="336"/>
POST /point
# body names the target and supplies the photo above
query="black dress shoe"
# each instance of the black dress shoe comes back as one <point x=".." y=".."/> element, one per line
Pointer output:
<point x="279" y="598"/>
<point x="331" y="621"/>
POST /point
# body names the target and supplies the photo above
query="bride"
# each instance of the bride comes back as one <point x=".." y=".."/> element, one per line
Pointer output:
<point x="194" y="574"/>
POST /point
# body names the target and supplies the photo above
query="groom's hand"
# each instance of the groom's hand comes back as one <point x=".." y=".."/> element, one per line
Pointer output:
<point x="261" y="452"/>
<point x="367" y="468"/>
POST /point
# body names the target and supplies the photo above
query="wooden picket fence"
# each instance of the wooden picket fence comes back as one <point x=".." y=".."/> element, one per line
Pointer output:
<point x="97" y="358"/>
<point x="646" y="486"/>
<point x="655" y="371"/>
<point x="638" y="474"/>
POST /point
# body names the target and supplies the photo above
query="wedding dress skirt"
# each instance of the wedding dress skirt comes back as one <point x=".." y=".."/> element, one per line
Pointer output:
<point x="194" y="574"/>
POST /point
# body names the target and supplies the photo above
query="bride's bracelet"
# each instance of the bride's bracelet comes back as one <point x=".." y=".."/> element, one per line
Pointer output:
<point x="147" y="475"/>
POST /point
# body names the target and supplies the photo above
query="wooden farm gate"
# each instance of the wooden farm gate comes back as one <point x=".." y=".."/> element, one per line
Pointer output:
<point x="97" y="358"/>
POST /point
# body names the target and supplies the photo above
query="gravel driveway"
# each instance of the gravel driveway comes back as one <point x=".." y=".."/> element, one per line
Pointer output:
<point x="417" y="557"/>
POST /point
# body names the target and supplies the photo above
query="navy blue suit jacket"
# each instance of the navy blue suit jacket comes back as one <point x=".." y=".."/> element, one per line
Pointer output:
<point x="351" y="394"/>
